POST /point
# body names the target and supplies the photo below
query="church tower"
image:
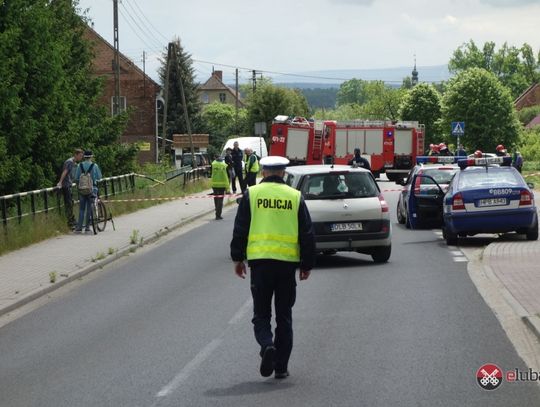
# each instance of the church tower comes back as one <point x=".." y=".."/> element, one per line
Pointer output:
<point x="414" y="74"/>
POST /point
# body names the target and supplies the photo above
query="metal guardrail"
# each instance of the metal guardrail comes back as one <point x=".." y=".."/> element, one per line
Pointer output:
<point x="19" y="205"/>
<point x="196" y="174"/>
<point x="176" y="172"/>
<point x="22" y="204"/>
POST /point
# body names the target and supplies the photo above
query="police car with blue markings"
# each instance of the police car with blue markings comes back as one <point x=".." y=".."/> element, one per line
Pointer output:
<point x="488" y="196"/>
<point x="426" y="186"/>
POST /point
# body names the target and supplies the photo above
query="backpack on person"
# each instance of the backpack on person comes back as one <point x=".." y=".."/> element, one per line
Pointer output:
<point x="86" y="183"/>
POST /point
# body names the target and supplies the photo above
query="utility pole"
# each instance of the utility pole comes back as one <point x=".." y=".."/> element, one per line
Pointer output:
<point x="166" y="98"/>
<point x="144" y="72"/>
<point x="186" y="117"/>
<point x="116" y="108"/>
<point x="236" y="104"/>
<point x="254" y="79"/>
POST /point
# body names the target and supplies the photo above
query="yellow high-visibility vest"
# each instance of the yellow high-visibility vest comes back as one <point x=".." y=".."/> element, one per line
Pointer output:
<point x="273" y="231"/>
<point x="220" y="178"/>
<point x="255" y="166"/>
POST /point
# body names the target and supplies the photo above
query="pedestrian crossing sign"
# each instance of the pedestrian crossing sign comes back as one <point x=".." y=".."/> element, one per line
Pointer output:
<point x="458" y="128"/>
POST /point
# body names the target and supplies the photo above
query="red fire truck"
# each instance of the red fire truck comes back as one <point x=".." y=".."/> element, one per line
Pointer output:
<point x="390" y="147"/>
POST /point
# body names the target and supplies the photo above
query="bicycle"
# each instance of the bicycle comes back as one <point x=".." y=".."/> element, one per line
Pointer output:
<point x="99" y="215"/>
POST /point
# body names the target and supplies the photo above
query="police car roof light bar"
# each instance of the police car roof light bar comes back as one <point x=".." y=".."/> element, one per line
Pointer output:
<point x="484" y="162"/>
<point x="435" y="159"/>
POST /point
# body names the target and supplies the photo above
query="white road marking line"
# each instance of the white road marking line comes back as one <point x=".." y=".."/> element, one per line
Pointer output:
<point x="188" y="369"/>
<point x="203" y="355"/>
<point x="460" y="259"/>
<point x="241" y="312"/>
<point x="456" y="253"/>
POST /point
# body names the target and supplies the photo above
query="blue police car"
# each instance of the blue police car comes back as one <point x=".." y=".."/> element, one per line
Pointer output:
<point x="488" y="196"/>
<point x="426" y="185"/>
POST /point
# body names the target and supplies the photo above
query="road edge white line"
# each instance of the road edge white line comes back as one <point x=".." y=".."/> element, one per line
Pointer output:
<point x="240" y="313"/>
<point x="190" y="367"/>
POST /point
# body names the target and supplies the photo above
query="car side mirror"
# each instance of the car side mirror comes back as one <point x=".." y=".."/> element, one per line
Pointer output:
<point x="530" y="185"/>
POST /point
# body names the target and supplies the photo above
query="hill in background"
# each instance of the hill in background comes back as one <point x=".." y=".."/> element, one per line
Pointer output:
<point x="320" y="87"/>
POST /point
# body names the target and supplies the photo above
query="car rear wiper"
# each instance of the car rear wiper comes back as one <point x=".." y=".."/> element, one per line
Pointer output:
<point x="341" y="195"/>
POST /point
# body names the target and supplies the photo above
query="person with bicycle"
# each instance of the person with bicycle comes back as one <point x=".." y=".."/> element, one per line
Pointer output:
<point x="87" y="176"/>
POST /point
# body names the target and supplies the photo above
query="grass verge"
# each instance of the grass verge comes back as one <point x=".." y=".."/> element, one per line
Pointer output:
<point x="30" y="230"/>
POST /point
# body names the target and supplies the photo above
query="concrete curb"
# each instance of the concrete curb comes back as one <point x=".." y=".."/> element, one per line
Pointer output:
<point x="121" y="252"/>
<point x="531" y="322"/>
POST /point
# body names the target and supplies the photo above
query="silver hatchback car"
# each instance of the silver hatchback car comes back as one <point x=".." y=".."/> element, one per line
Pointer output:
<point x="347" y="208"/>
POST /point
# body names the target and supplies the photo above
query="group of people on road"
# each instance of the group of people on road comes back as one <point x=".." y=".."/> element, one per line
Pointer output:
<point x="442" y="149"/>
<point x="80" y="169"/>
<point x="232" y="167"/>
<point x="517" y="159"/>
<point x="500" y="151"/>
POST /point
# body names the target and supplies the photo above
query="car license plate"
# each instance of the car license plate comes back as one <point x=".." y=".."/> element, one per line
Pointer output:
<point x="492" y="202"/>
<point x="345" y="227"/>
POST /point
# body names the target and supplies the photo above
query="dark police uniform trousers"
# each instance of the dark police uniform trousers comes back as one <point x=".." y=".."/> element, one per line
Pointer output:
<point x="274" y="278"/>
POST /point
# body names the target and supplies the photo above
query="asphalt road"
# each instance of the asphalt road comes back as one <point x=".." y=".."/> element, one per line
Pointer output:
<point x="171" y="327"/>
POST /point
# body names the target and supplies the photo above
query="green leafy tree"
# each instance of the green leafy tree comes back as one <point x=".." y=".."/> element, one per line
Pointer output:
<point x="477" y="97"/>
<point x="529" y="144"/>
<point x="526" y="114"/>
<point x="383" y="102"/>
<point x="422" y="103"/>
<point x="48" y="94"/>
<point x="343" y="112"/>
<point x="270" y="100"/>
<point x="352" y="92"/>
<point x="517" y="68"/>
<point x="219" y="121"/>
<point x="407" y="83"/>
<point x="378" y="101"/>
<point x="320" y="97"/>
<point x="181" y="67"/>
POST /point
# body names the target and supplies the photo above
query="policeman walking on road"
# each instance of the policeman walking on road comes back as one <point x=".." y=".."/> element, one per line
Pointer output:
<point x="273" y="231"/>
<point x="220" y="183"/>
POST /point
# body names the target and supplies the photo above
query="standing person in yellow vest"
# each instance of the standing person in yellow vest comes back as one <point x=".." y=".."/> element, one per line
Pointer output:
<point x="273" y="231"/>
<point x="220" y="183"/>
<point x="252" y="167"/>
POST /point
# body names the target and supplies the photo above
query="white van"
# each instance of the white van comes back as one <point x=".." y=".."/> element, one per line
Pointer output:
<point x="257" y="144"/>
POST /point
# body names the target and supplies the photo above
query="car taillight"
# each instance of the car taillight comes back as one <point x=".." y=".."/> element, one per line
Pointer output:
<point x="457" y="203"/>
<point x="384" y="205"/>
<point x="525" y="198"/>
<point x="417" y="185"/>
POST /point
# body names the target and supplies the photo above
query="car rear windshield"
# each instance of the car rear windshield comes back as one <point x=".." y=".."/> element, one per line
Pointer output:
<point x="338" y="186"/>
<point x="490" y="178"/>
<point x="440" y="175"/>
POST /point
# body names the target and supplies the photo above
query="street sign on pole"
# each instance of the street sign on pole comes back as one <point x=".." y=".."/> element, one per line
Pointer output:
<point x="260" y="128"/>
<point x="458" y="129"/>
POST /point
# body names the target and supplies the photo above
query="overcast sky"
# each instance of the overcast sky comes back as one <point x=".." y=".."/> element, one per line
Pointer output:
<point x="313" y="35"/>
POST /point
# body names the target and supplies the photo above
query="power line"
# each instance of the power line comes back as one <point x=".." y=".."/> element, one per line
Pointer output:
<point x="293" y="74"/>
<point x="149" y="22"/>
<point x="133" y="30"/>
<point x="149" y="31"/>
<point x="138" y="26"/>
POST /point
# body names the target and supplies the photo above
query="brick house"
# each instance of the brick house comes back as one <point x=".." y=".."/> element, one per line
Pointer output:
<point x="214" y="90"/>
<point x="138" y="92"/>
<point x="531" y="97"/>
